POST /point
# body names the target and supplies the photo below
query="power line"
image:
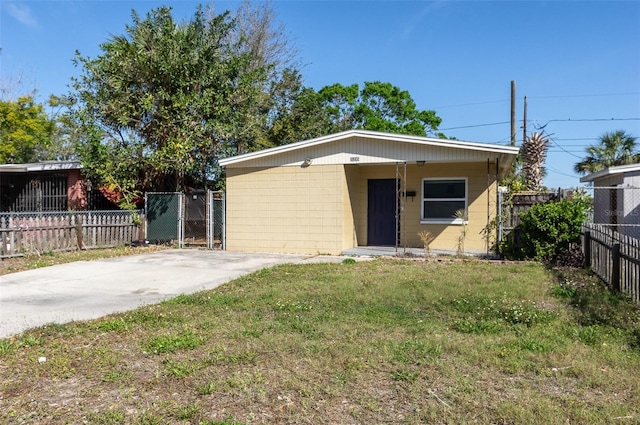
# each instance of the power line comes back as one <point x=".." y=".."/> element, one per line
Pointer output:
<point x="553" y="170"/>
<point x="538" y="97"/>
<point x="475" y="125"/>
<point x="561" y="148"/>
<point x="587" y="120"/>
<point x="598" y="119"/>
<point x="471" y="104"/>
<point x="540" y="127"/>
<point x="583" y="95"/>
<point x="576" y="145"/>
<point x="580" y="138"/>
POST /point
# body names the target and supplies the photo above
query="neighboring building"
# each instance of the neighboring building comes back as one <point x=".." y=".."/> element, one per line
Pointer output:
<point x="363" y="188"/>
<point x="616" y="198"/>
<point x="42" y="186"/>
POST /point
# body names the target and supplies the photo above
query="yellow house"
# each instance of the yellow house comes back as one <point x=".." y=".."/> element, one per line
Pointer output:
<point x="364" y="188"/>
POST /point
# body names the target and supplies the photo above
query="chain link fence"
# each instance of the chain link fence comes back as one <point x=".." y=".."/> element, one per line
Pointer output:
<point x="168" y="218"/>
<point x="164" y="214"/>
<point x="186" y="219"/>
<point x="195" y="218"/>
<point x="216" y="228"/>
<point x="616" y="207"/>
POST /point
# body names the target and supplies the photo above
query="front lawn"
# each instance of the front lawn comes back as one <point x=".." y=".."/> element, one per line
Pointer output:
<point x="385" y="341"/>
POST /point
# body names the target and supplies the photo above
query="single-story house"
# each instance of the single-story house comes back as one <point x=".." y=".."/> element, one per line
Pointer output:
<point x="616" y="198"/>
<point x="364" y="188"/>
<point x="49" y="186"/>
<point x="42" y="186"/>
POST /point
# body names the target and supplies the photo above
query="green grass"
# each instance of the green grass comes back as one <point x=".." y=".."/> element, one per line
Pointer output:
<point x="185" y="340"/>
<point x="385" y="341"/>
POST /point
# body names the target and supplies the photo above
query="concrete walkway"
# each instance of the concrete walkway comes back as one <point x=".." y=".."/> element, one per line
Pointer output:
<point x="90" y="289"/>
<point x="390" y="251"/>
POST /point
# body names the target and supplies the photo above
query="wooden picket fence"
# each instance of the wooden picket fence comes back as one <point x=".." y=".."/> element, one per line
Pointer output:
<point x="24" y="233"/>
<point x="613" y="256"/>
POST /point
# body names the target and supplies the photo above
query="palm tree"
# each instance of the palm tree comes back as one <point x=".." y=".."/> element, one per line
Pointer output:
<point x="615" y="148"/>
<point x="534" y="153"/>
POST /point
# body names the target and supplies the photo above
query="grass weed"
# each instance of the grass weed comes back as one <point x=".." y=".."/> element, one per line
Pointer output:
<point x="185" y="340"/>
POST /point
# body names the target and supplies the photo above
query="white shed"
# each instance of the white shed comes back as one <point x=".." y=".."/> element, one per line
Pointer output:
<point x="617" y="198"/>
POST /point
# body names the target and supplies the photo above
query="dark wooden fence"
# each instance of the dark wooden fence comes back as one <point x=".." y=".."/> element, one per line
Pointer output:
<point x="521" y="202"/>
<point x="37" y="233"/>
<point x="614" y="257"/>
<point x="516" y="204"/>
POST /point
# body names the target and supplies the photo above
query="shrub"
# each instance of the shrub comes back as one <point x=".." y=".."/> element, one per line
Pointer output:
<point x="547" y="231"/>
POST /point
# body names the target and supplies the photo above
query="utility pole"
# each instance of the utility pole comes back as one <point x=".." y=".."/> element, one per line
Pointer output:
<point x="524" y="123"/>
<point x="513" y="113"/>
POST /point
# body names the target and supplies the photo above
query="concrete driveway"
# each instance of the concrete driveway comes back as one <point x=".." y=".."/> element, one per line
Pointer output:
<point x="91" y="289"/>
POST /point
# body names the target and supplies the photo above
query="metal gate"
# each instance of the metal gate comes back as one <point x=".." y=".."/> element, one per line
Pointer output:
<point x="216" y="229"/>
<point x="195" y="218"/>
<point x="163" y="213"/>
<point x="192" y="219"/>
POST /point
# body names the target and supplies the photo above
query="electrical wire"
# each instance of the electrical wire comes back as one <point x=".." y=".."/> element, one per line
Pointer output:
<point x="475" y="125"/>
<point x="581" y="138"/>
<point x="583" y="95"/>
<point x="471" y="104"/>
<point x="538" y="97"/>
<point x="586" y="120"/>
<point x="541" y="127"/>
<point x="553" y="170"/>
<point x="573" y="145"/>
<point x="563" y="149"/>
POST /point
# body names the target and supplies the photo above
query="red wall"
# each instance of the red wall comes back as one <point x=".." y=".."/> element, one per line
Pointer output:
<point x="76" y="190"/>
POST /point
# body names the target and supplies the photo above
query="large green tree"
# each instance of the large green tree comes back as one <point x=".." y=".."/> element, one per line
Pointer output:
<point x="339" y="103"/>
<point x="259" y="37"/>
<point x="301" y="113"/>
<point x="25" y="131"/>
<point x="297" y="112"/>
<point x="65" y="134"/>
<point x="164" y="101"/>
<point x="615" y="148"/>
<point x="377" y="106"/>
<point x="171" y="98"/>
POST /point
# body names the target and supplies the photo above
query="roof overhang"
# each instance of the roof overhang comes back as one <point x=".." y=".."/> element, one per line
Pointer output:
<point x="610" y="171"/>
<point x="40" y="166"/>
<point x="507" y="153"/>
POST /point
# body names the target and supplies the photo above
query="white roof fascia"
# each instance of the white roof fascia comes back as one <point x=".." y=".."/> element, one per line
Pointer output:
<point x="13" y="168"/>
<point x="610" y="171"/>
<point x="40" y="166"/>
<point x="456" y="144"/>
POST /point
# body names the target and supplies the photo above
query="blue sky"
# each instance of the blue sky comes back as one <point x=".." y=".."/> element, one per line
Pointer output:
<point x="578" y="62"/>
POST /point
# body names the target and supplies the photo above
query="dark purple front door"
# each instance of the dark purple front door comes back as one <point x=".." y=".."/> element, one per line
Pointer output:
<point x="381" y="212"/>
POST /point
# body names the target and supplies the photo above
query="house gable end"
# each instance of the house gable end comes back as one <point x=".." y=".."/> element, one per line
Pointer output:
<point x="373" y="148"/>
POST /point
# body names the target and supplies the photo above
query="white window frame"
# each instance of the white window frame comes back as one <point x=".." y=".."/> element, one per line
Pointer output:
<point x="452" y="220"/>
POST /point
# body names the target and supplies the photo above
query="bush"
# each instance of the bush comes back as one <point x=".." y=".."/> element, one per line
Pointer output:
<point x="547" y="231"/>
